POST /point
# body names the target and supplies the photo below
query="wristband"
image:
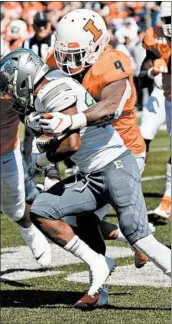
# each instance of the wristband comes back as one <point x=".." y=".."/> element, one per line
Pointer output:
<point x="78" y="121"/>
<point x="150" y="75"/>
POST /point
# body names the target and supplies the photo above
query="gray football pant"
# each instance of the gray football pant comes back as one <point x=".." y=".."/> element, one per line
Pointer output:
<point x="118" y="183"/>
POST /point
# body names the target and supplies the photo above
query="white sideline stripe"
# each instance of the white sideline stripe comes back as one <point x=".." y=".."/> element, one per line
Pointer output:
<point x="153" y="178"/>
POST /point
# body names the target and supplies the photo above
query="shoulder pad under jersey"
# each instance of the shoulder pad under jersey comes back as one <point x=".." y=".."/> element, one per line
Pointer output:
<point x="57" y="95"/>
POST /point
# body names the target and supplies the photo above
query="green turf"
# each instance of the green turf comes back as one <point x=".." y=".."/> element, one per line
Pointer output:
<point x="49" y="300"/>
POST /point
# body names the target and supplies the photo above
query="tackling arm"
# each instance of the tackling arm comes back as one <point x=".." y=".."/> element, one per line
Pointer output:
<point x="112" y="101"/>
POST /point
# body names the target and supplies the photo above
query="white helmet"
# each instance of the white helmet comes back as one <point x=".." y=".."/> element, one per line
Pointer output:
<point x="81" y="37"/>
<point x="4" y="50"/>
<point x="165" y="14"/>
<point x="17" y="29"/>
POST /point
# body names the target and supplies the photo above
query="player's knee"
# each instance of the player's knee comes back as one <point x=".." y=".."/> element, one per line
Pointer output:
<point x="132" y="229"/>
<point x="127" y="228"/>
<point x="15" y="214"/>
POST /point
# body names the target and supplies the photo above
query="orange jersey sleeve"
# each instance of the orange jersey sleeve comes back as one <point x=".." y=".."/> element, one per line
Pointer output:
<point x="155" y="41"/>
<point x="110" y="67"/>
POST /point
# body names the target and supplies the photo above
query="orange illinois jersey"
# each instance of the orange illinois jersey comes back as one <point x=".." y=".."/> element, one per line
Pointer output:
<point x="113" y="66"/>
<point x="155" y="41"/>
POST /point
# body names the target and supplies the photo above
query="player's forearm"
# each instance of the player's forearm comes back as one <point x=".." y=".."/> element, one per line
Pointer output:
<point x="103" y="111"/>
<point x="145" y="68"/>
<point x="113" y="99"/>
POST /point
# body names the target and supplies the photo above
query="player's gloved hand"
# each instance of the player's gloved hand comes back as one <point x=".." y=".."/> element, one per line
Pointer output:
<point x="159" y="66"/>
<point x="33" y="121"/>
<point x="55" y="123"/>
<point x="58" y="123"/>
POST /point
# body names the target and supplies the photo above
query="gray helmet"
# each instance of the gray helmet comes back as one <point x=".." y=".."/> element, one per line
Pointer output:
<point x="24" y="70"/>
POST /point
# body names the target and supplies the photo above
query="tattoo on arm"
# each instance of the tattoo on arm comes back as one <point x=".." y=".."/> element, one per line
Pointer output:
<point x="104" y="110"/>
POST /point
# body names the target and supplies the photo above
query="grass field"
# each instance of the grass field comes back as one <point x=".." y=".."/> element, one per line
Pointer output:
<point x="33" y="296"/>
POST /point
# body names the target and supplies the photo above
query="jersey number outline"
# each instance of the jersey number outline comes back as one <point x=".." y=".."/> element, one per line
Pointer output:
<point x="93" y="29"/>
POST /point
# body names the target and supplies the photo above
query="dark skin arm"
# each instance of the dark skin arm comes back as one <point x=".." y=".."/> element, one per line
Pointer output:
<point x="110" y="98"/>
<point x="148" y="62"/>
<point x="65" y="148"/>
<point x="144" y="80"/>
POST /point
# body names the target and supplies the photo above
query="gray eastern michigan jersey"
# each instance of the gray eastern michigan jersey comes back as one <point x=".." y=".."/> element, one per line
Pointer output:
<point x="100" y="144"/>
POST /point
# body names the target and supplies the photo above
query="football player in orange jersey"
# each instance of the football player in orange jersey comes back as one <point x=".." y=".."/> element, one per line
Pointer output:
<point x="12" y="177"/>
<point x="157" y="66"/>
<point x="82" y="51"/>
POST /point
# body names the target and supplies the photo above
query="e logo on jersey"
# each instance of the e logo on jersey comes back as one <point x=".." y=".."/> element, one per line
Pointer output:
<point x="93" y="30"/>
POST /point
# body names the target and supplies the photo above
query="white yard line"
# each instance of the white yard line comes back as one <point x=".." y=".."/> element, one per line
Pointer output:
<point x="128" y="275"/>
<point x="17" y="263"/>
<point x="153" y="178"/>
